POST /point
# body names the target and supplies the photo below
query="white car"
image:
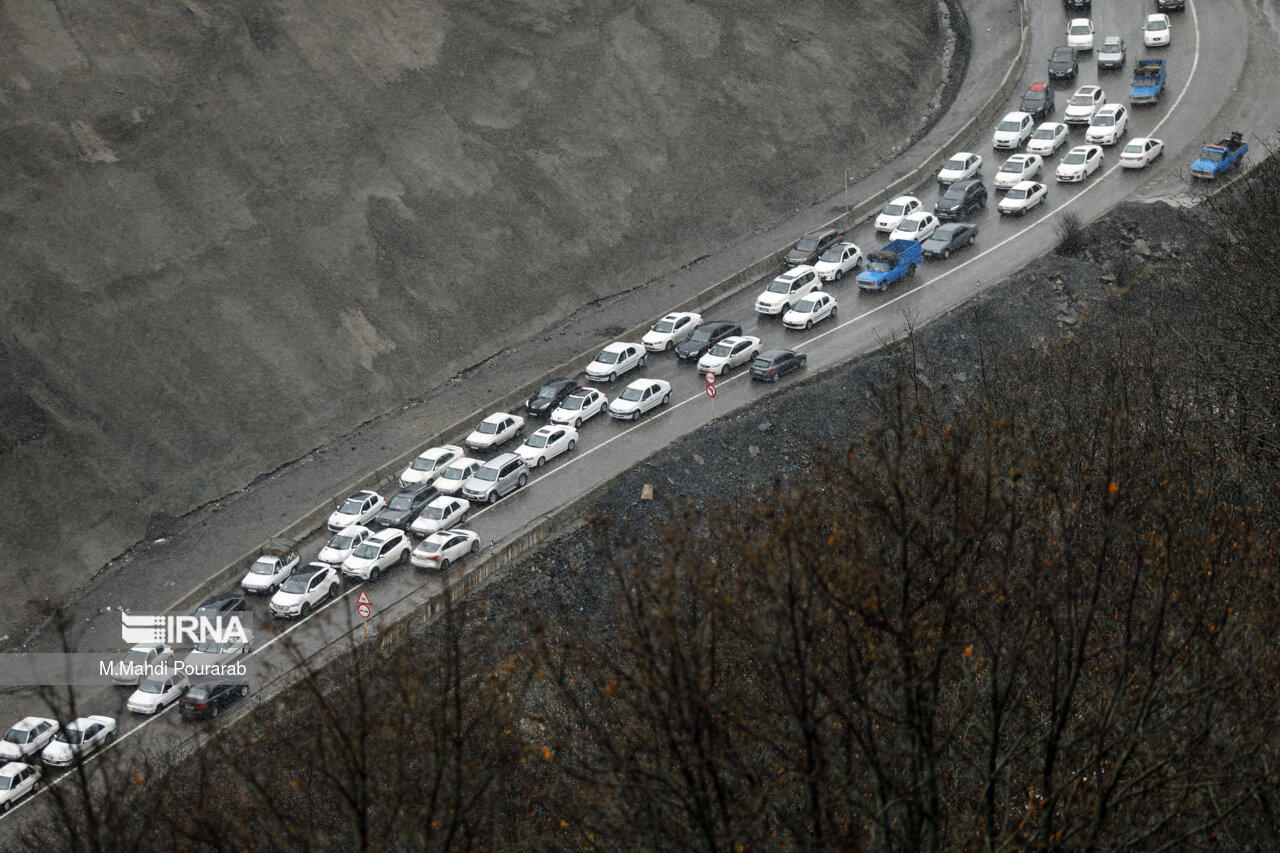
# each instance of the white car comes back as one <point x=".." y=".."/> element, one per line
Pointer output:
<point x="27" y="737"/>
<point x="1140" y="152"/>
<point x="1022" y="198"/>
<point x="1047" y="139"/>
<point x="495" y="431"/>
<point x="1156" y="31"/>
<point x="196" y="665"/>
<point x="381" y="551"/>
<point x="1084" y="104"/>
<point x="814" y="308"/>
<point x="78" y="738"/>
<point x="1108" y="125"/>
<point x="360" y="508"/>
<point x="155" y="694"/>
<point x="451" y="479"/>
<point x="1080" y="35"/>
<point x="917" y="226"/>
<point x="443" y="511"/>
<point x="962" y="164"/>
<point x="728" y="354"/>
<point x="1018" y="168"/>
<point x="582" y="405"/>
<point x="305" y="589"/>
<point x="670" y="330"/>
<point x="16" y="781"/>
<point x="547" y="443"/>
<point x="616" y="359"/>
<point x="440" y="549"/>
<point x="430" y="464"/>
<point x="838" y="260"/>
<point x="270" y="570"/>
<point x="1013" y="130"/>
<point x="894" y="211"/>
<point x="639" y="397"/>
<point x="1080" y="162"/>
<point x="786" y="290"/>
<point x="341" y="544"/>
<point x="136" y="664"/>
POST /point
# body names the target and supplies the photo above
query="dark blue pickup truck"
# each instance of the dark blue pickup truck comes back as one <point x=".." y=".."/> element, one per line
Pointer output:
<point x="1216" y="159"/>
<point x="1148" y="81"/>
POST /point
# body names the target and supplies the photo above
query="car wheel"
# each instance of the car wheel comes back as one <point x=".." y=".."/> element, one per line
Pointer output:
<point x="214" y="712"/>
<point x="305" y="611"/>
<point x="375" y="574"/>
<point x="946" y="253"/>
<point x="4" y="807"/>
<point x="808" y="324"/>
<point x="475" y="547"/>
<point x="668" y="346"/>
<point x="444" y="564"/>
<point x="613" y="377"/>
<point x="839" y="273"/>
<point x="577" y="423"/>
<point x="109" y="738"/>
<point x="493" y="496"/>
<point x="666" y="398"/>
<point x="572" y="444"/>
<point x="523" y="479"/>
<point x="244" y="690"/>
<point x="834" y="309"/>
<point x="642" y="360"/>
<point x="911" y="271"/>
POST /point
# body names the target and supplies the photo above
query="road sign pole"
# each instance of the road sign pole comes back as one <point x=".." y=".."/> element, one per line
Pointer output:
<point x="364" y="608"/>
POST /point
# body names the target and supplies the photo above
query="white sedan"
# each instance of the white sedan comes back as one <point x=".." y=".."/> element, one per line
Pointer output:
<point x="155" y="694"/>
<point x="27" y="737"/>
<point x="1047" y="139"/>
<point x="1080" y="35"/>
<point x="360" y="508"/>
<point x="1080" y="162"/>
<point x="1156" y="32"/>
<point x="342" y="543"/>
<point x="639" y="397"/>
<point x="1022" y="198"/>
<point x="582" y="405"/>
<point x="728" y="354"/>
<point x="443" y="511"/>
<point x="495" y="430"/>
<point x="895" y="211"/>
<point x="16" y="781"/>
<point x="917" y="226"/>
<point x="838" y="260"/>
<point x="671" y="330"/>
<point x="451" y="480"/>
<point x="443" y="547"/>
<point x="814" y="308"/>
<point x="1018" y="168"/>
<point x="1140" y="152"/>
<point x="547" y="443"/>
<point x="429" y="464"/>
<point x="79" y="737"/>
<point x="614" y="360"/>
<point x="962" y="164"/>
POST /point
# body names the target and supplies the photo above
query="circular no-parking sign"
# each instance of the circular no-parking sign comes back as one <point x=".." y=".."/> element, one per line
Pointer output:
<point x="711" y="390"/>
<point x="711" y="379"/>
<point x="364" y="610"/>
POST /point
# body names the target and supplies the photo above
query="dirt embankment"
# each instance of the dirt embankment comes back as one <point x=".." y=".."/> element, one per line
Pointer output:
<point x="233" y="233"/>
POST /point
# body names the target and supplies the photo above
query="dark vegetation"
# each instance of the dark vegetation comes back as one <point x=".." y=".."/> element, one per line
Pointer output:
<point x="1035" y="612"/>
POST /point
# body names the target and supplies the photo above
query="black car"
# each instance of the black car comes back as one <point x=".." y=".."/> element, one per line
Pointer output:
<point x="222" y="602"/>
<point x="1063" y="64"/>
<point x="205" y="700"/>
<point x="811" y="245"/>
<point x="541" y="404"/>
<point x="1077" y="5"/>
<point x="949" y="238"/>
<point x="961" y="199"/>
<point x="405" y="505"/>
<point x="1038" y="101"/>
<point x="773" y="364"/>
<point x="704" y="338"/>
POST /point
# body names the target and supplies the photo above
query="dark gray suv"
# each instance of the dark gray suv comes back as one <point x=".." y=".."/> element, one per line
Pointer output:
<point x="405" y="505"/>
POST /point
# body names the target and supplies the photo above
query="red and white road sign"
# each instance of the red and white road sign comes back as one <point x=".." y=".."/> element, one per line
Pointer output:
<point x="711" y="390"/>
<point x="363" y="606"/>
<point x="363" y="610"/>
<point x="711" y="378"/>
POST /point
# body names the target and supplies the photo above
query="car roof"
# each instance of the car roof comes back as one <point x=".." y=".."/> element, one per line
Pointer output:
<point x="497" y="416"/>
<point x="1016" y="115"/>
<point x="1063" y="47"/>
<point x="733" y="339"/>
<point x="1024" y="185"/>
<point x="966" y="183"/>
<point x="798" y="269"/>
<point x="12" y="768"/>
<point x="353" y="530"/>
<point x="440" y="535"/>
<point x="1044" y="125"/>
<point x="617" y="346"/>
<point x="1036" y="87"/>
<point x="28" y="723"/>
<point x="583" y="391"/>
<point x="1110" y="108"/>
<point x="311" y="569"/>
<point x="1088" y="89"/>
<point x="717" y="324"/>
<point x="385" y="534"/>
<point x="364" y="493"/>
<point x="818" y="233"/>
<point x="559" y="383"/>
<point x="414" y="489"/>
<point x="903" y="199"/>
<point x="1112" y="40"/>
<point x="500" y="460"/>
<point x="438" y="450"/>
<point x="919" y="214"/>
<point x="772" y="354"/>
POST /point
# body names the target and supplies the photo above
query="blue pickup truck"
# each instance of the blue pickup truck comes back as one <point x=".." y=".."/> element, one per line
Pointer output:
<point x="897" y="259"/>
<point x="1216" y="159"/>
<point x="1148" y="81"/>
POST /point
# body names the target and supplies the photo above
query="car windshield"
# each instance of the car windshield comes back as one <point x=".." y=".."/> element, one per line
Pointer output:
<point x="68" y="736"/>
<point x="832" y="255"/>
<point x="1080" y="30"/>
<point x="1133" y="149"/>
<point x="1104" y="120"/>
<point x="365" y="550"/>
<point x="1213" y="155"/>
<point x="15" y="736"/>
<point x="1073" y="158"/>
<point x="263" y="567"/>
<point x="352" y="507"/>
<point x="762" y="363"/>
<point x="1063" y="54"/>
<point x="1111" y="46"/>
<point x="910" y="225"/>
<point x="401" y="503"/>
<point x="197" y="694"/>
<point x="806" y="244"/>
<point x="546" y="392"/>
<point x="1153" y="26"/>
<point x="572" y="403"/>
<point x="435" y="513"/>
<point x="879" y="265"/>
<point x="778" y="286"/>
<point x="1043" y="133"/>
<point x="536" y="440"/>
<point x="424" y="463"/>
<point x="955" y="164"/>
<point x="488" y="474"/>
<point x="1009" y="126"/>
<point x="944" y="233"/>
<point x="664" y="326"/>
<point x="151" y="686"/>
<point x="1033" y="97"/>
<point x="895" y="209"/>
<point x="295" y="584"/>
<point x="6" y="782"/>
<point x="211" y="649"/>
<point x="701" y="336"/>
<point x="1013" y="166"/>
<point x="607" y="357"/>
<point x="1017" y="193"/>
<point x="632" y="394"/>
<point x="805" y="306"/>
<point x="1081" y="100"/>
<point x="954" y="192"/>
<point x="720" y="350"/>
<point x="457" y="472"/>
<point x="487" y="428"/>
<point x="341" y="542"/>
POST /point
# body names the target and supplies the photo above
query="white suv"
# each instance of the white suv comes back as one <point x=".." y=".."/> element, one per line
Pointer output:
<point x="786" y="290"/>
<point x="303" y="590"/>
<point x="1108" y="125"/>
<point x="382" y="550"/>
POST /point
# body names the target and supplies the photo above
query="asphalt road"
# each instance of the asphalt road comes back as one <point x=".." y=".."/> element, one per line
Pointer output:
<point x="1205" y="97"/>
